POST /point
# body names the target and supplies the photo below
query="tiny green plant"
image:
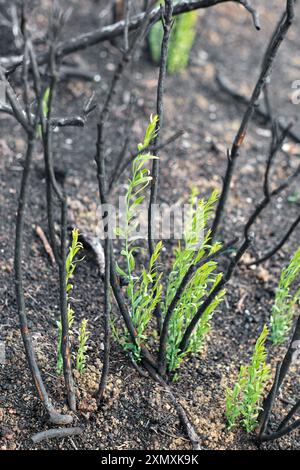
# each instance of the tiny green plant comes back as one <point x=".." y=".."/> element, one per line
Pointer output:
<point x="45" y="108"/>
<point x="181" y="41"/>
<point x="59" y="363"/>
<point x="71" y="263"/>
<point x="144" y="290"/>
<point x="243" y="401"/>
<point x="284" y="306"/>
<point x="203" y="281"/>
<point x="81" y="355"/>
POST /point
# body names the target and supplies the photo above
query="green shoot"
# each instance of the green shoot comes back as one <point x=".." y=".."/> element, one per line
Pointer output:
<point x="244" y="400"/>
<point x="82" y="348"/>
<point x="45" y="108"/>
<point x="143" y="291"/>
<point x="71" y="264"/>
<point x="202" y="282"/>
<point x="284" y="306"/>
<point x="59" y="363"/>
<point x="181" y="41"/>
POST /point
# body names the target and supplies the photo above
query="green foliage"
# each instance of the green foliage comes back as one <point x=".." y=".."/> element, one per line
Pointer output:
<point x="144" y="290"/>
<point x="45" y="102"/>
<point x="144" y="287"/>
<point x="45" y="108"/>
<point x="199" y="286"/>
<point x="59" y="363"/>
<point x="244" y="400"/>
<point x="284" y="305"/>
<point x="181" y="41"/>
<point x="71" y="264"/>
<point x="82" y="348"/>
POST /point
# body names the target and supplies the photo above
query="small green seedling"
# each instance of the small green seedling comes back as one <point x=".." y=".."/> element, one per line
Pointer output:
<point x="243" y="401"/>
<point x="71" y="263"/>
<point x="144" y="290"/>
<point x="82" y="348"/>
<point x="284" y="306"/>
<point x="59" y="363"/>
<point x="45" y="108"/>
<point x="181" y="41"/>
<point x="203" y="281"/>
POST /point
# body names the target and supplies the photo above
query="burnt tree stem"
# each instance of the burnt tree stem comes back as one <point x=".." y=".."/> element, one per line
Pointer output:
<point x="272" y="50"/>
<point x="167" y="21"/>
<point x="112" y="31"/>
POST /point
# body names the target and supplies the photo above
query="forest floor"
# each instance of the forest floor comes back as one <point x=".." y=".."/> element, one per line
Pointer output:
<point x="137" y="413"/>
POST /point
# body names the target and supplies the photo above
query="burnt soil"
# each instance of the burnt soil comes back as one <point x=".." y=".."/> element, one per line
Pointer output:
<point x="136" y="413"/>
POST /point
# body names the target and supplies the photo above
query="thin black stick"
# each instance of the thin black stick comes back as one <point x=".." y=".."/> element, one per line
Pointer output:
<point x="193" y="436"/>
<point x="279" y="245"/>
<point x="167" y="21"/>
<point x="268" y="404"/>
<point x="127" y="8"/>
<point x="264" y="114"/>
<point x="107" y="308"/>
<point x="55" y="433"/>
<point x="267" y="410"/>
<point x="289" y="416"/>
<point x="65" y="343"/>
<point x="190" y="272"/>
<point x="107" y="33"/>
<point x="61" y="255"/>
<point x="55" y="417"/>
<point x="280" y="433"/>
<point x="273" y="48"/>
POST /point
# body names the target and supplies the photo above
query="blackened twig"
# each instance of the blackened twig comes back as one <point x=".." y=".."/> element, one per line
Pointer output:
<point x="193" y="436"/>
<point x="227" y="88"/>
<point x="109" y="32"/>
<point x="127" y="8"/>
<point x="279" y="245"/>
<point x="167" y="21"/>
<point x="289" y="416"/>
<point x="281" y="432"/>
<point x="60" y="253"/>
<point x="241" y="134"/>
<point x="267" y="409"/>
<point x="268" y="403"/>
<point x="55" y="417"/>
<point x="55" y="433"/>
<point x="107" y="307"/>
<point x="41" y="234"/>
<point x="31" y="129"/>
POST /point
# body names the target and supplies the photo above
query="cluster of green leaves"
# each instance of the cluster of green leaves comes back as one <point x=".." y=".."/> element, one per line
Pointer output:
<point x="284" y="306"/>
<point x="45" y="108"/>
<point x="71" y="263"/>
<point x="144" y="290"/>
<point x="181" y="41"/>
<point x="244" y="400"/>
<point x="82" y="347"/>
<point x="190" y="252"/>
